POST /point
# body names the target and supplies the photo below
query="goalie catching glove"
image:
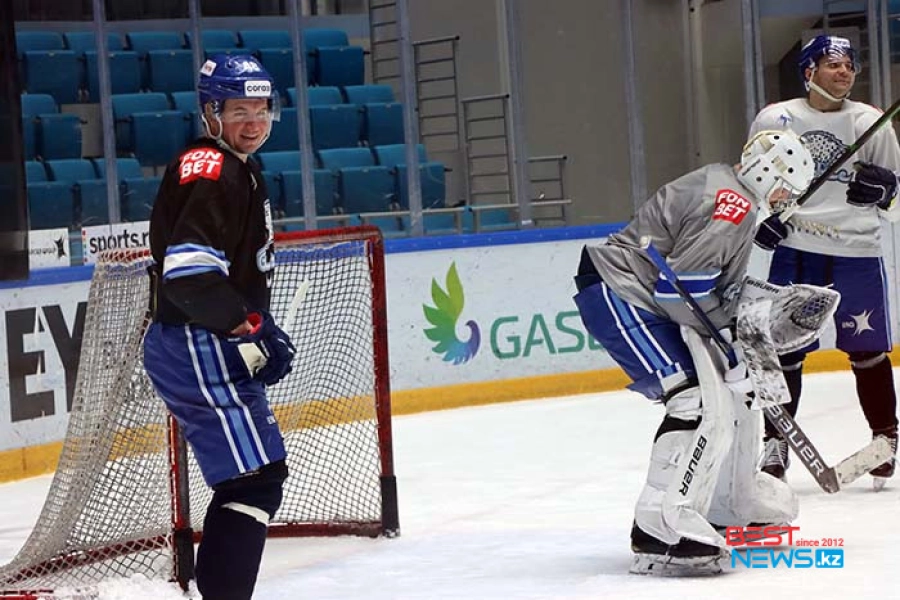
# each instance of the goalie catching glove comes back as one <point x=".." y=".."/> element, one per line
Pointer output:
<point x="267" y="350"/>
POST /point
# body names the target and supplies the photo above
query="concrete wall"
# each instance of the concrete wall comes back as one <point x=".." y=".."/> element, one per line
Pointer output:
<point x="575" y="87"/>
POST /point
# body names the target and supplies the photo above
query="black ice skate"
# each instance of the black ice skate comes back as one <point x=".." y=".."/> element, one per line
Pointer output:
<point x="687" y="558"/>
<point x="885" y="470"/>
<point x="775" y="459"/>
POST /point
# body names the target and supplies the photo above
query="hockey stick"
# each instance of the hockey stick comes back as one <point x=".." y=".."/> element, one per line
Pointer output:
<point x="829" y="479"/>
<point x="250" y="352"/>
<point x="299" y="297"/>
<point x="840" y="160"/>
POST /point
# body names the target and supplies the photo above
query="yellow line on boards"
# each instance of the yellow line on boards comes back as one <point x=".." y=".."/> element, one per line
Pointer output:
<point x="31" y="461"/>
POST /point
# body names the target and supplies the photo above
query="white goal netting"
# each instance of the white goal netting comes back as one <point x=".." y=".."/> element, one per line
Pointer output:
<point x="109" y="511"/>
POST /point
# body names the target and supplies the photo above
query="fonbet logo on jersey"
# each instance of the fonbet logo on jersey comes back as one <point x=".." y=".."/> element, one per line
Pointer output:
<point x="731" y="207"/>
<point x="763" y="548"/>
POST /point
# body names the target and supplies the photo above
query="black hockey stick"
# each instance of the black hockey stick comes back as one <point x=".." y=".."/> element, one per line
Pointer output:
<point x="828" y="478"/>
<point x="840" y="160"/>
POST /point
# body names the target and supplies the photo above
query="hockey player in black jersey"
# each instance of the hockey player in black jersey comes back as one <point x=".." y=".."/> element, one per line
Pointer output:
<point x="212" y="346"/>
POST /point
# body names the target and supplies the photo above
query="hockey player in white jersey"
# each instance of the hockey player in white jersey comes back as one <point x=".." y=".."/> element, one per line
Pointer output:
<point x="703" y="223"/>
<point x="834" y="238"/>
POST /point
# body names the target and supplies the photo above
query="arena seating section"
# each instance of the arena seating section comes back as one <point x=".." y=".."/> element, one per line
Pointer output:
<point x="356" y="128"/>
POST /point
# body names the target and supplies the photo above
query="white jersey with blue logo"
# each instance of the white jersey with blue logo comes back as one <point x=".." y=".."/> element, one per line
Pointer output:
<point x="826" y="224"/>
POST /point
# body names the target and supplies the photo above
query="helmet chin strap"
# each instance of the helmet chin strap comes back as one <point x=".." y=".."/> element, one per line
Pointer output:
<point x="811" y="85"/>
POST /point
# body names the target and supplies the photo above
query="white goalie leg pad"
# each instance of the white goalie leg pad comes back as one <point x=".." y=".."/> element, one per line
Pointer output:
<point x="743" y="493"/>
<point x="684" y="464"/>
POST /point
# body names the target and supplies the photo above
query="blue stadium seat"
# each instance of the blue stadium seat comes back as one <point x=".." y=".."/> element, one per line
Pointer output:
<point x="391" y="226"/>
<point x="366" y="94"/>
<point x="32" y="106"/>
<point x="446" y="223"/>
<point x="137" y="196"/>
<point x="287" y="165"/>
<point x="147" y="127"/>
<point x="48" y="133"/>
<point x="324" y="96"/>
<point x="35" y="171"/>
<point x="340" y="65"/>
<point x="136" y="193"/>
<point x="284" y="132"/>
<point x="492" y="219"/>
<point x="189" y="104"/>
<point x="316" y="37"/>
<point x="124" y="73"/>
<point x="51" y="204"/>
<point x="256" y="39"/>
<point x="318" y="96"/>
<point x="382" y="116"/>
<point x="279" y="62"/>
<point x="143" y="42"/>
<point x="335" y="126"/>
<point x="47" y="67"/>
<point x="276" y="197"/>
<point x="86" y="41"/>
<point x="29" y="143"/>
<point x="332" y="61"/>
<point x="363" y="186"/>
<point x="170" y="70"/>
<point x="28" y="41"/>
<point x="432" y="173"/>
<point x="383" y="124"/>
<point x="71" y="169"/>
<point x="216" y="41"/>
<point x="78" y="177"/>
<point x="125" y="168"/>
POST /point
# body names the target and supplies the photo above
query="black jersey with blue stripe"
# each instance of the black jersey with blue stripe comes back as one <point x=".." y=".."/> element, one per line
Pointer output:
<point x="211" y="239"/>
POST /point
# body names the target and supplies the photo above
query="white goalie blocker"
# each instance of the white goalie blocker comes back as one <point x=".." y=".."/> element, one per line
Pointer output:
<point x="773" y="320"/>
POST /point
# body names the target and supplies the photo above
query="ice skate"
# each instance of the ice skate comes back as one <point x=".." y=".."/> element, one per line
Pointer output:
<point x="687" y="558"/>
<point x="882" y="472"/>
<point x="775" y="459"/>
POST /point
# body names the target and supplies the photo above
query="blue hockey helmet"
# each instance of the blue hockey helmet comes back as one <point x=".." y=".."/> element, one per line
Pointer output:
<point x="826" y="45"/>
<point x="228" y="77"/>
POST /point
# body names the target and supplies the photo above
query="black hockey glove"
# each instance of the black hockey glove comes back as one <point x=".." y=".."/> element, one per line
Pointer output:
<point x="267" y="349"/>
<point x="872" y="185"/>
<point x="771" y="232"/>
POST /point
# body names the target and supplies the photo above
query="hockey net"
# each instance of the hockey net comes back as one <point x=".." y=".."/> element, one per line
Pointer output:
<point x="118" y="502"/>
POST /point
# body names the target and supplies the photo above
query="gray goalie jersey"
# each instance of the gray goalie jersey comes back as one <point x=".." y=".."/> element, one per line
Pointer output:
<point x="703" y="224"/>
<point x="825" y="224"/>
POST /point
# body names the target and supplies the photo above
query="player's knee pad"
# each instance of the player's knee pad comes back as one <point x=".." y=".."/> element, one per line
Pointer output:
<point x="866" y="360"/>
<point x="257" y="494"/>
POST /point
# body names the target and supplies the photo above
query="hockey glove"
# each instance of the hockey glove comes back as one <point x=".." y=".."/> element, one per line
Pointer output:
<point x="267" y="350"/>
<point x="872" y="185"/>
<point x="771" y="232"/>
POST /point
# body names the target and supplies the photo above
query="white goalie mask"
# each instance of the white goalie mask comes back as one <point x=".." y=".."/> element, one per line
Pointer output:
<point x="776" y="167"/>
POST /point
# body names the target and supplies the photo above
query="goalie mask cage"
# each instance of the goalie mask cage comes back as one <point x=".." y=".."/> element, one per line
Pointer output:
<point x="118" y="506"/>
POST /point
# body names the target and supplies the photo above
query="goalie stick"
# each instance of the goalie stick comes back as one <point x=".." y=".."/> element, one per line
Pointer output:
<point x="840" y="160"/>
<point x="829" y="479"/>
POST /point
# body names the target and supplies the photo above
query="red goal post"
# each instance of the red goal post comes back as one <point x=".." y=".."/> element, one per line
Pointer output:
<point x="127" y="497"/>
